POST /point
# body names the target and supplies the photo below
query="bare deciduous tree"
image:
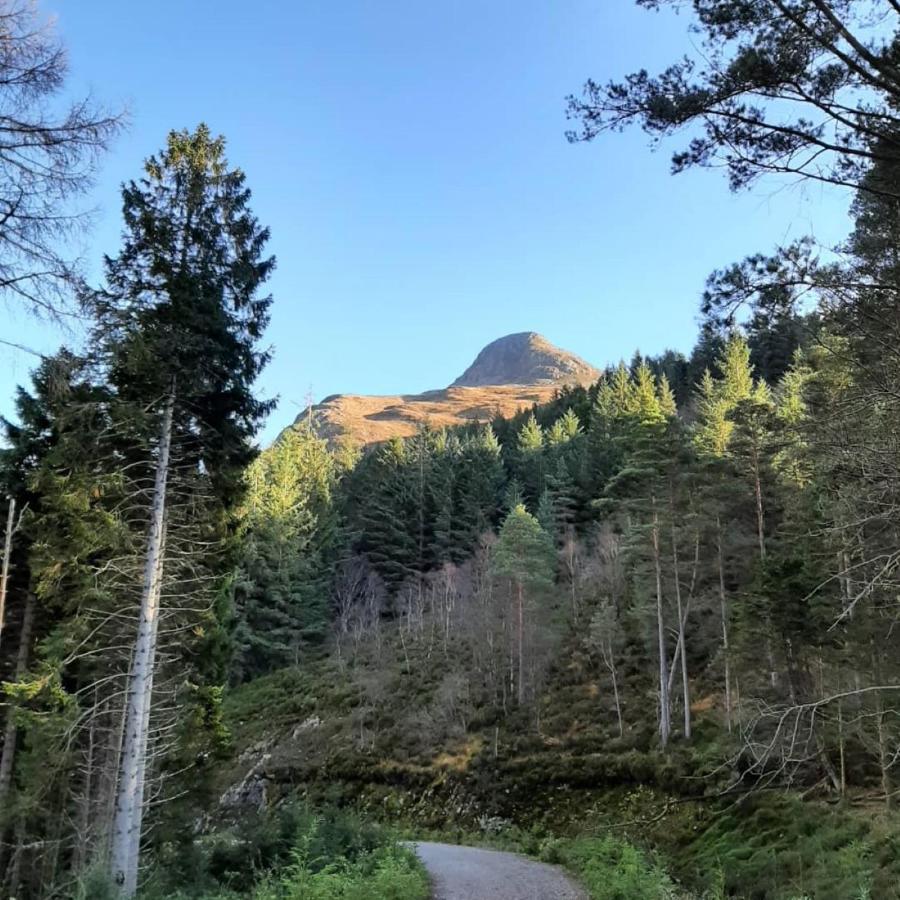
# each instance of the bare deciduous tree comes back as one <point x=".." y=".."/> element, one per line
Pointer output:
<point x="48" y="157"/>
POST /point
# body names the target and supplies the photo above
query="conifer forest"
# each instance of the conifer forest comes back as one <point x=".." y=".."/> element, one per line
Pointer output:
<point x="646" y="629"/>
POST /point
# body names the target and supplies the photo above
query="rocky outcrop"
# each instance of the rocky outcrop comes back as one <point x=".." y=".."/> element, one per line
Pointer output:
<point x="526" y="358"/>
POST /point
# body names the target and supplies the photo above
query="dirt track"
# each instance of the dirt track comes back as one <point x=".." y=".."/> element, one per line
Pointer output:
<point x="468" y="873"/>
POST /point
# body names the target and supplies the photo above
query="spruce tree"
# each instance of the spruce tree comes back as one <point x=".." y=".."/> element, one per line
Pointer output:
<point x="388" y="518"/>
<point x="639" y="490"/>
<point x="479" y="484"/>
<point x="529" y="459"/>
<point x="289" y="537"/>
<point x="178" y="323"/>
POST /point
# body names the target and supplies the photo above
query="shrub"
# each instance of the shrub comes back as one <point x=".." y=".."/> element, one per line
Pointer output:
<point x="297" y="854"/>
<point x="615" y="870"/>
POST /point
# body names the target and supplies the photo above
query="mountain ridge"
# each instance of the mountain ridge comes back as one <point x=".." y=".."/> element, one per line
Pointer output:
<point x="511" y="373"/>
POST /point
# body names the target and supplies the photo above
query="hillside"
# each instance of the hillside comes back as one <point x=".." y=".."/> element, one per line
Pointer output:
<point x="512" y="373"/>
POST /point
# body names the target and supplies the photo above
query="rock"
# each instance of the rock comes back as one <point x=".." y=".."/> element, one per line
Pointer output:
<point x="309" y="724"/>
<point x="251" y="793"/>
<point x="526" y="358"/>
<point x="257" y="750"/>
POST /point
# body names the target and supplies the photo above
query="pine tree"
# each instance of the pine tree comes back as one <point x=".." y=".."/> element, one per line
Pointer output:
<point x="513" y="496"/>
<point x="561" y="493"/>
<point x="736" y="419"/>
<point x="546" y="512"/>
<point x="59" y="389"/>
<point x="712" y="432"/>
<point x="524" y="555"/>
<point x="607" y="434"/>
<point x="443" y="500"/>
<point x="716" y="498"/>
<point x="81" y="545"/>
<point x="566" y="429"/>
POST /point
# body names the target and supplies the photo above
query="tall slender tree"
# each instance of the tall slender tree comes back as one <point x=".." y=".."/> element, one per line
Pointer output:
<point x="178" y="325"/>
<point x="524" y="555"/>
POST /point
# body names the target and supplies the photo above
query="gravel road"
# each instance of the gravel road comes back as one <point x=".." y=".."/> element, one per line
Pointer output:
<point x="467" y="873"/>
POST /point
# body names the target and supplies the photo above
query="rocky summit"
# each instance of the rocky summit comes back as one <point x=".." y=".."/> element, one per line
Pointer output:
<point x="526" y="358"/>
<point x="512" y="373"/>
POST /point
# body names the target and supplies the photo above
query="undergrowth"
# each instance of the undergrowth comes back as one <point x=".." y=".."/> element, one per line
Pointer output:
<point x="612" y="869"/>
<point x="562" y="791"/>
<point x="291" y="854"/>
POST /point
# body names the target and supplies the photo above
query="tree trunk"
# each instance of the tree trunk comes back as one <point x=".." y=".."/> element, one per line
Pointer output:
<point x="82" y="838"/>
<point x="685" y="683"/>
<point x="760" y="515"/>
<point x="723" y="605"/>
<point x="7" y="553"/>
<point x="615" y="684"/>
<point x="11" y="732"/>
<point x="14" y="872"/>
<point x="664" y="712"/>
<point x="148" y="702"/>
<point x="125" y="851"/>
<point x="761" y="538"/>
<point x="884" y="756"/>
<point x="841" y="748"/>
<point x="520" y="604"/>
<point x="571" y="556"/>
<point x="10" y="735"/>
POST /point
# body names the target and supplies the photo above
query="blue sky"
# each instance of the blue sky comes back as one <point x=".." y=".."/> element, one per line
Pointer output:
<point x="411" y="161"/>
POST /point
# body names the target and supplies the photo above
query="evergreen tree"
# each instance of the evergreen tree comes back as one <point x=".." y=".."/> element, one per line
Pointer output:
<point x="443" y="498"/>
<point x="545" y="513"/>
<point x="639" y="489"/>
<point x="560" y="494"/>
<point x="289" y="535"/>
<point x="763" y="106"/>
<point x="524" y="555"/>
<point x="607" y="434"/>
<point x="177" y="326"/>
<point x="529" y="459"/>
<point x="513" y="496"/>
<point x="479" y="482"/>
<point x="388" y="519"/>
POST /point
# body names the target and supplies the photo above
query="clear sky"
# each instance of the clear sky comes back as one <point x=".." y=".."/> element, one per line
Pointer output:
<point x="410" y="159"/>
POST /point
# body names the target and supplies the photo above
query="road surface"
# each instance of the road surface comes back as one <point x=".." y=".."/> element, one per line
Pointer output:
<point x="468" y="873"/>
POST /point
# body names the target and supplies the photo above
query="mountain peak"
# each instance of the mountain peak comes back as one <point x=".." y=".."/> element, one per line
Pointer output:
<point x="510" y="374"/>
<point x="525" y="358"/>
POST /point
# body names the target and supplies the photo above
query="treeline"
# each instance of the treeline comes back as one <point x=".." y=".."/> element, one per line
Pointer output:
<point x="413" y="505"/>
<point x="695" y="550"/>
